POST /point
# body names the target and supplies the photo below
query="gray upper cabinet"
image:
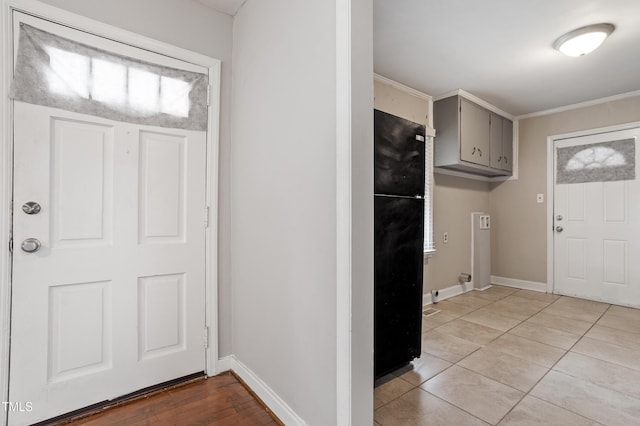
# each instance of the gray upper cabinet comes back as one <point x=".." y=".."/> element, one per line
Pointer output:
<point x="507" y="145"/>
<point x="472" y="139"/>
<point x="501" y="143"/>
<point x="474" y="133"/>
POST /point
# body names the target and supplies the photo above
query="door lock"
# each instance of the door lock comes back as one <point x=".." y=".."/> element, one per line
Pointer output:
<point x="31" y="245"/>
<point x="559" y="217"/>
<point x="31" y="207"/>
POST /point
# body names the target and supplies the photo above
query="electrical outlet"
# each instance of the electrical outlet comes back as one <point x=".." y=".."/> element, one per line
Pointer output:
<point x="445" y="237"/>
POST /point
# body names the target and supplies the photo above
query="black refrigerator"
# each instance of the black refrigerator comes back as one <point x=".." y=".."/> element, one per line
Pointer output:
<point x="398" y="240"/>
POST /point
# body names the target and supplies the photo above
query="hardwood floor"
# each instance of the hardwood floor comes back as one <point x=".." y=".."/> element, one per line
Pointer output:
<point x="219" y="400"/>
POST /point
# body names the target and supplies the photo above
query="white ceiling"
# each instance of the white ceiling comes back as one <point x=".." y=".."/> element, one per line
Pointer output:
<point x="501" y="50"/>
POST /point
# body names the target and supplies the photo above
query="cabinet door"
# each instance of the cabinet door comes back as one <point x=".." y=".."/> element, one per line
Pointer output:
<point x="507" y="145"/>
<point x="474" y="133"/>
<point x="496" y="141"/>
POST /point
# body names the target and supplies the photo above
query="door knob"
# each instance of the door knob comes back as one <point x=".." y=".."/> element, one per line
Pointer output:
<point x="559" y="229"/>
<point x="31" y="245"/>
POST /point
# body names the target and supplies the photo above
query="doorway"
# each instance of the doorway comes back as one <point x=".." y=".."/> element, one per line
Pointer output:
<point x="111" y="288"/>
<point x="595" y="216"/>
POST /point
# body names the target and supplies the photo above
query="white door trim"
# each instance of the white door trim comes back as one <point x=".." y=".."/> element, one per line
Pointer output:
<point x="6" y="185"/>
<point x="82" y="23"/>
<point x="344" y="370"/>
<point x="551" y="140"/>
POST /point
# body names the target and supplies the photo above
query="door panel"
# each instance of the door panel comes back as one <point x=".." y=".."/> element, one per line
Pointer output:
<point x="82" y="187"/>
<point x="576" y="258"/>
<point x="161" y="308"/>
<point x="80" y="311"/>
<point x="162" y="181"/>
<point x="597" y="227"/>
<point x="113" y="301"/>
<point x="614" y="260"/>
<point x="576" y="209"/>
<point x="614" y="202"/>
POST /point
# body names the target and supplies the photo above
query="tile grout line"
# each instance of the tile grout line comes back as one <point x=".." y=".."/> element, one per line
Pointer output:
<point x="484" y="346"/>
<point x="506" y="332"/>
<point x="454" y="405"/>
<point x="504" y="384"/>
<point x="551" y="369"/>
<point x="447" y="368"/>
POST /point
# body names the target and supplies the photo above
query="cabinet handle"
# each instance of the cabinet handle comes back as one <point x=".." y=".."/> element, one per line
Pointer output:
<point x="505" y="160"/>
<point x="500" y="159"/>
<point x="480" y="151"/>
<point x="474" y="151"/>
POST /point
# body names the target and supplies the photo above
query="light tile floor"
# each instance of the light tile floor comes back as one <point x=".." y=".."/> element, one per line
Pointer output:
<point x="515" y="357"/>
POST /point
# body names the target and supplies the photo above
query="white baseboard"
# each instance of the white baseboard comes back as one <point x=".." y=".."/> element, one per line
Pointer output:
<point x="446" y="293"/>
<point x="224" y="364"/>
<point x="457" y="289"/>
<point x="521" y="284"/>
<point x="264" y="392"/>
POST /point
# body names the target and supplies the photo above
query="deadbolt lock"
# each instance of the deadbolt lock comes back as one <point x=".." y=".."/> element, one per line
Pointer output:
<point x="31" y="207"/>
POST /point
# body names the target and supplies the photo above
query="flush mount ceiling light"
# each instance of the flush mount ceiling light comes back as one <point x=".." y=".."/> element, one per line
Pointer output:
<point x="583" y="40"/>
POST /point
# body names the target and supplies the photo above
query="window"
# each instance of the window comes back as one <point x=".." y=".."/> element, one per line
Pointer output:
<point x="599" y="162"/>
<point x="116" y="85"/>
<point x="61" y="73"/>
<point x="429" y="244"/>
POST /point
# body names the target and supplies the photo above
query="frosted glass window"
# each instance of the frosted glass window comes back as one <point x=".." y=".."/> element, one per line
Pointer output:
<point x="600" y="162"/>
<point x="61" y="73"/>
<point x="69" y="74"/>
<point x="109" y="82"/>
<point x="173" y="101"/>
<point x="144" y="90"/>
<point x="595" y="158"/>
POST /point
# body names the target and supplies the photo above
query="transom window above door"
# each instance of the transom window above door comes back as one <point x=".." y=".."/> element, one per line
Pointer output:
<point x="58" y="72"/>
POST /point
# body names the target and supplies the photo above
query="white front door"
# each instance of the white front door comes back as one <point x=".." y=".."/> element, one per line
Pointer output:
<point x="597" y="222"/>
<point x="113" y="299"/>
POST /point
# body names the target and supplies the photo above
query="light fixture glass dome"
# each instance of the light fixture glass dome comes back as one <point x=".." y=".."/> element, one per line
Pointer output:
<point x="583" y="40"/>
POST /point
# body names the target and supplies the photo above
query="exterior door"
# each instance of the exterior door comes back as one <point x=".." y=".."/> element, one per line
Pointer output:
<point x="108" y="289"/>
<point x="597" y="217"/>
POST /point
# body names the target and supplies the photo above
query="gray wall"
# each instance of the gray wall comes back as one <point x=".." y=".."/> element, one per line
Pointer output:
<point x="519" y="233"/>
<point x="284" y="203"/>
<point x="361" y="199"/>
<point x="192" y="26"/>
<point x="455" y="198"/>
